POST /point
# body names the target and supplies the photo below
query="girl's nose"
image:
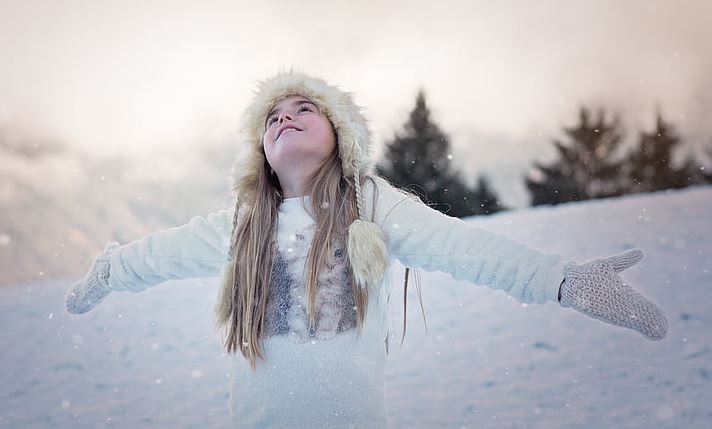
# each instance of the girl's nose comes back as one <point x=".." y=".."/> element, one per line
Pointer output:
<point x="284" y="115"/>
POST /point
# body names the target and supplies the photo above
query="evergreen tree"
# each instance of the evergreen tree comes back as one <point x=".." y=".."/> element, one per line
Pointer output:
<point x="489" y="202"/>
<point x="585" y="167"/>
<point x="650" y="163"/>
<point x="419" y="159"/>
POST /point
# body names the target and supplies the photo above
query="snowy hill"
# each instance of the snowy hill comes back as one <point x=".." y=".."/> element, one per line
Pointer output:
<point x="152" y="360"/>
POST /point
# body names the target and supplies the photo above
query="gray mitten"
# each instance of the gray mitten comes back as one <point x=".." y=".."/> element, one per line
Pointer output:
<point x="597" y="290"/>
<point x="94" y="287"/>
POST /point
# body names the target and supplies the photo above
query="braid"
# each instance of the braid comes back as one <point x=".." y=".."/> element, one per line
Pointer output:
<point x="357" y="184"/>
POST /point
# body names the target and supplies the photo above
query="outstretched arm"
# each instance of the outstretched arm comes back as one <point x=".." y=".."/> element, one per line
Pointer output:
<point x="419" y="236"/>
<point x="422" y="237"/>
<point x="198" y="248"/>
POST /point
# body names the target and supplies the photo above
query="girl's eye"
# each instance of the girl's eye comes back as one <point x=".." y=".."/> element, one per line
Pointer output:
<point x="302" y="108"/>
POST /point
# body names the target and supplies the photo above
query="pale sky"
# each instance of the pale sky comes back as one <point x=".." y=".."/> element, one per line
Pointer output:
<point x="501" y="77"/>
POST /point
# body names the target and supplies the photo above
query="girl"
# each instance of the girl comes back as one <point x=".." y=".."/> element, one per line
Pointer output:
<point x="304" y="255"/>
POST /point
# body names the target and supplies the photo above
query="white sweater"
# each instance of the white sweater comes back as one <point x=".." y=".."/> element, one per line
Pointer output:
<point x="329" y="377"/>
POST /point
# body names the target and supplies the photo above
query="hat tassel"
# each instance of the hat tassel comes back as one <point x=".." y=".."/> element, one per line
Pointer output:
<point x="367" y="253"/>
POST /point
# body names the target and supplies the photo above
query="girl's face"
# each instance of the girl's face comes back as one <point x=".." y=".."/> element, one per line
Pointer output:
<point x="297" y="136"/>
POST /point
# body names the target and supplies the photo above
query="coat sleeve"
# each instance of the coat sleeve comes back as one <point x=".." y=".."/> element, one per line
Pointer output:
<point x="419" y="236"/>
<point x="198" y="248"/>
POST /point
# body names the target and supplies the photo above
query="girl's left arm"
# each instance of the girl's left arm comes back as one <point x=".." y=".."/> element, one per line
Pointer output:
<point x="420" y="236"/>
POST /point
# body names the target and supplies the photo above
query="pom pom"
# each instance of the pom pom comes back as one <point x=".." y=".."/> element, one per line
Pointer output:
<point x="367" y="253"/>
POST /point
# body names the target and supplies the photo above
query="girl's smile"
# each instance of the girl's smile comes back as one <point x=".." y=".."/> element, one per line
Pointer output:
<point x="287" y="129"/>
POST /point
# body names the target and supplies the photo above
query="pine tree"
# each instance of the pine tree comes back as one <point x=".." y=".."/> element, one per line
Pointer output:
<point x="650" y="163"/>
<point x="419" y="159"/>
<point x="489" y="202"/>
<point x="585" y="167"/>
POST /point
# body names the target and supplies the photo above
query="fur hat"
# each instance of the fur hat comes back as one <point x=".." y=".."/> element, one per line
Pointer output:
<point x="366" y="245"/>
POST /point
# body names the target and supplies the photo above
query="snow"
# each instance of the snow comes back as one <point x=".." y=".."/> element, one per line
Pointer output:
<point x="153" y="360"/>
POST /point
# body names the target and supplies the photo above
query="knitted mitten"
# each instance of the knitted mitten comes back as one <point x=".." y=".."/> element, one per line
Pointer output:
<point x="94" y="287"/>
<point x="597" y="290"/>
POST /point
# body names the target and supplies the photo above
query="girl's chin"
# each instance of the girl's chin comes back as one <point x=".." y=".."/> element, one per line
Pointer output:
<point x="298" y="160"/>
<point x="294" y="151"/>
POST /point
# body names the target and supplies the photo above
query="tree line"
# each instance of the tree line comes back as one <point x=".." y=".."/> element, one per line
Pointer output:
<point x="590" y="163"/>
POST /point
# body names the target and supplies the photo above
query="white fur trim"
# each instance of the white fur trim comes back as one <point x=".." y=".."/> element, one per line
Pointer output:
<point x="367" y="253"/>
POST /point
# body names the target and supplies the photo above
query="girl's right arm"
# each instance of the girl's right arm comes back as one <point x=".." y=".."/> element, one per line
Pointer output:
<point x="198" y="248"/>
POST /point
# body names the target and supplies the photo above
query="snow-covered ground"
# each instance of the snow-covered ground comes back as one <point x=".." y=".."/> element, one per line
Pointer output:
<point x="153" y="360"/>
